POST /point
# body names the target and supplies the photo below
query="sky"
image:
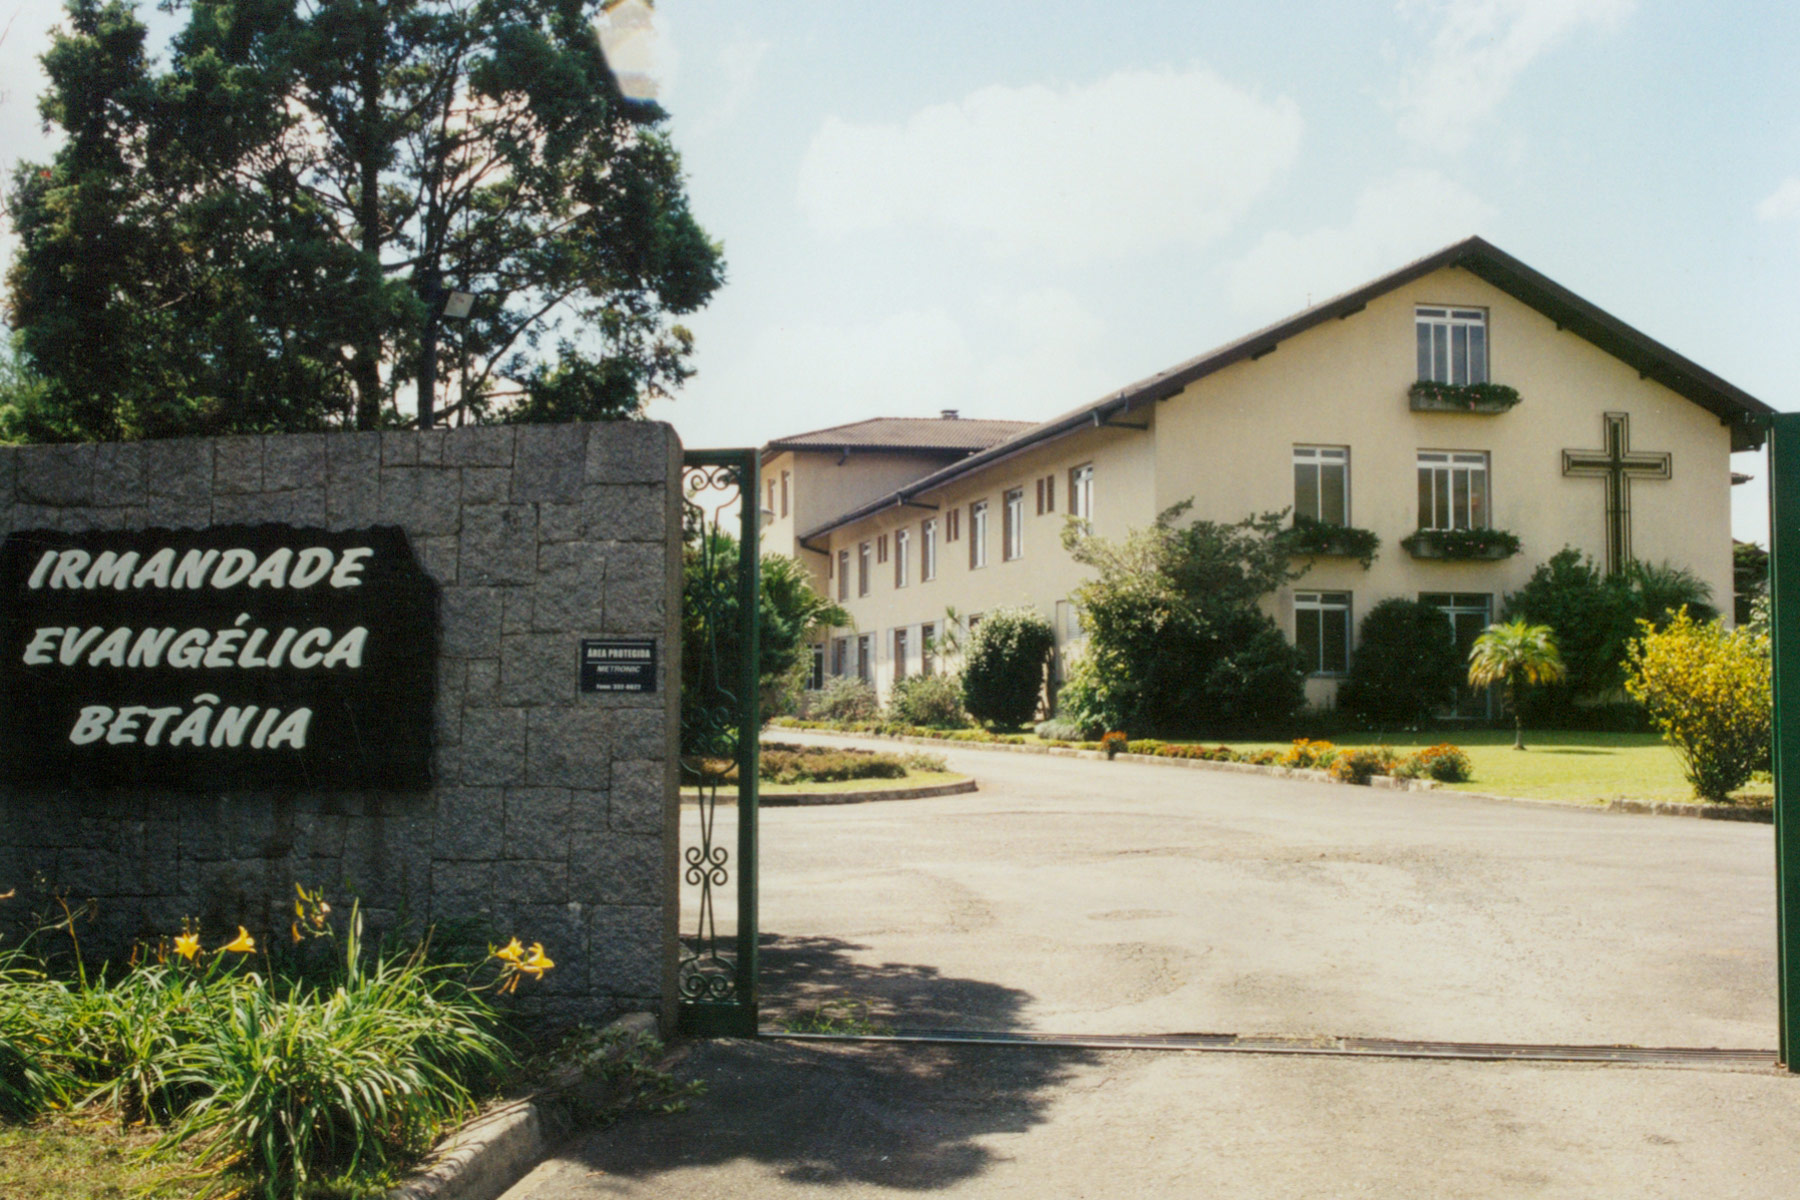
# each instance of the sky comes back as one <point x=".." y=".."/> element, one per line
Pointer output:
<point x="1012" y="208"/>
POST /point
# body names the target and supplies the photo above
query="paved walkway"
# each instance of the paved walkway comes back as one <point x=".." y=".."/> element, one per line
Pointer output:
<point x="1074" y="897"/>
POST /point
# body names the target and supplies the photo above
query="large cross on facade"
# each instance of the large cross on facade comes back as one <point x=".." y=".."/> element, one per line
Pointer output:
<point x="1618" y="464"/>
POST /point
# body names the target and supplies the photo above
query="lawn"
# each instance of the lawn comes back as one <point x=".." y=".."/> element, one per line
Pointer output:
<point x="1555" y="765"/>
<point x="59" y="1158"/>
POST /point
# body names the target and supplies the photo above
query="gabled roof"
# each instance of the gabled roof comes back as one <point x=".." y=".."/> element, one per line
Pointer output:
<point x="920" y="435"/>
<point x="1649" y="357"/>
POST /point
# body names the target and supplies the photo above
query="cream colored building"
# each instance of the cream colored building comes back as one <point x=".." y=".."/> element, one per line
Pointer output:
<point x="1617" y="445"/>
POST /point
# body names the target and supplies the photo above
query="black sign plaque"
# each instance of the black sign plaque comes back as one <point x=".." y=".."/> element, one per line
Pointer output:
<point x="618" y="665"/>
<point x="234" y="657"/>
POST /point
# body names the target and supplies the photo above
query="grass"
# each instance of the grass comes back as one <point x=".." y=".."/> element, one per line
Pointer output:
<point x="912" y="779"/>
<point x="1555" y="765"/>
<point x="89" y="1156"/>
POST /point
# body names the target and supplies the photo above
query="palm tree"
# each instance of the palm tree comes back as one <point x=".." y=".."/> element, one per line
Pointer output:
<point x="1512" y="654"/>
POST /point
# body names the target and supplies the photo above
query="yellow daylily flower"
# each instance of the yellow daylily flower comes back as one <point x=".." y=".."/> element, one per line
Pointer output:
<point x="242" y="944"/>
<point x="539" y="962"/>
<point x="512" y="952"/>
<point x="187" y="945"/>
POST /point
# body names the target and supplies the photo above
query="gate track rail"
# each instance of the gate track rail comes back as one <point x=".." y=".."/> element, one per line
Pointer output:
<point x="1342" y="1047"/>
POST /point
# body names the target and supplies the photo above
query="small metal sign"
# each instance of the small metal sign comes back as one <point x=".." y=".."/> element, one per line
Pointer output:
<point x="618" y="665"/>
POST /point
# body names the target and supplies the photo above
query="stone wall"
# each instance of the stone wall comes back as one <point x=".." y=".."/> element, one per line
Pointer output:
<point x="552" y="814"/>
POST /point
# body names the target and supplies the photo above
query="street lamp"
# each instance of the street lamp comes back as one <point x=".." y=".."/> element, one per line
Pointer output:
<point x="439" y="304"/>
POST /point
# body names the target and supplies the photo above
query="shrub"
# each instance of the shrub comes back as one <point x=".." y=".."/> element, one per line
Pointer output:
<point x="1444" y="763"/>
<point x="932" y="701"/>
<point x="1086" y="701"/>
<point x="1112" y="743"/>
<point x="1259" y="682"/>
<point x="1708" y="690"/>
<point x="779" y="762"/>
<point x="1143" y="746"/>
<point x="1060" y="729"/>
<point x="1003" y="670"/>
<point x="1363" y="764"/>
<point x="1406" y="665"/>
<point x="846" y="698"/>
<point x="1307" y="755"/>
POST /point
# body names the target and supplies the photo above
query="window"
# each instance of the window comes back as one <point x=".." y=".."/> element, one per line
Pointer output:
<point x="865" y="657"/>
<point x="1081" y="492"/>
<point x="840" y="656"/>
<point x="1453" y="490"/>
<point x="953" y="525"/>
<point x="770" y="507"/>
<point x="815" y="679"/>
<point x="1468" y="614"/>
<point x="881" y="548"/>
<point x="928" y="550"/>
<point x="927" y="640"/>
<point x="1012" y="525"/>
<point x="902" y="552"/>
<point x="1322" y="484"/>
<point x="1046" y="495"/>
<point x="1322" y="631"/>
<point x="1452" y="344"/>
<point x="784" y="493"/>
<point x="862" y="569"/>
<point x="843" y="576"/>
<point x="978" y="533"/>
<point x="900" y="654"/>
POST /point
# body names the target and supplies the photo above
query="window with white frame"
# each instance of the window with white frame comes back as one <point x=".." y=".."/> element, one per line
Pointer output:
<point x="902" y="556"/>
<point x="865" y="657"/>
<point x="843" y="580"/>
<point x="900" y="653"/>
<point x="862" y="569"/>
<point x="784" y="493"/>
<point x="840" y="656"/>
<point x="978" y="533"/>
<point x="1453" y="490"/>
<point x="815" y="680"/>
<point x="1081" y="492"/>
<point x="1322" y="631"/>
<point x="1452" y="344"/>
<point x="927" y="647"/>
<point x="1322" y="484"/>
<point x="928" y="549"/>
<point x="1012" y="525"/>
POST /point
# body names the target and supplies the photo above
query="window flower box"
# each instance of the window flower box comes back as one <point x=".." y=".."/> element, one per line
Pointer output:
<point x="1429" y="396"/>
<point x="1479" y="545"/>
<point x="1308" y="538"/>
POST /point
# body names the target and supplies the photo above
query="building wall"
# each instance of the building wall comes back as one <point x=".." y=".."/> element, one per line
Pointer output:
<point x="1227" y="442"/>
<point x="824" y="484"/>
<point x="551" y="813"/>
<point x="1124" y="469"/>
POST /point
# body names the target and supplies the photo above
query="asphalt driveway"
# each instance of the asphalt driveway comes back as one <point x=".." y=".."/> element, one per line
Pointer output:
<point x="1073" y="896"/>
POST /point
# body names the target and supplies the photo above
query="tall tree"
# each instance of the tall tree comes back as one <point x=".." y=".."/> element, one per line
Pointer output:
<point x="263" y="233"/>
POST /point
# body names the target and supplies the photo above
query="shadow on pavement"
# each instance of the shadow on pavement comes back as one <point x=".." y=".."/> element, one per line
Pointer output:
<point x="909" y="1116"/>
<point x="801" y="977"/>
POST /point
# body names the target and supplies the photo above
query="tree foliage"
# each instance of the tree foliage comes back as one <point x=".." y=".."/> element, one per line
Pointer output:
<point x="712" y="648"/>
<point x="1709" y="691"/>
<point x="1515" y="654"/>
<point x="1176" y="640"/>
<point x="261" y="234"/>
<point x="1406" y="665"/>
<point x="1595" y="619"/>
<point x="1004" y="666"/>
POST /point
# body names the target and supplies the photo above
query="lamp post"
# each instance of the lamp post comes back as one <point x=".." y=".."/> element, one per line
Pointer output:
<point x="439" y="305"/>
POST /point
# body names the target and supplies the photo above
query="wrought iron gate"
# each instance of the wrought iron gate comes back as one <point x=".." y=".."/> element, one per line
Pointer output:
<point x="719" y="727"/>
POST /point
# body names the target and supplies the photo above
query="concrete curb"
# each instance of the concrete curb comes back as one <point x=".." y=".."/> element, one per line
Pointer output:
<point x="489" y="1154"/>
<point x="803" y="799"/>
<point x="1618" y="804"/>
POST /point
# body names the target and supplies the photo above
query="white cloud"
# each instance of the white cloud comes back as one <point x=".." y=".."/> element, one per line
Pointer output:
<point x="1409" y="214"/>
<point x="1137" y="160"/>
<point x="739" y="65"/>
<point x="1782" y="204"/>
<point x="1477" y="50"/>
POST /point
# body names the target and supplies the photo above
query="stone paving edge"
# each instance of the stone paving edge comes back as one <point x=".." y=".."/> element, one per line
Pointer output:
<point x="490" y="1153"/>
<point x="1618" y="804"/>
<point x="799" y="799"/>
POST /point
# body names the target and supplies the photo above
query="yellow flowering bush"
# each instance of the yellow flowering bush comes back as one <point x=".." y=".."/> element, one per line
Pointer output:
<point x="1709" y="691"/>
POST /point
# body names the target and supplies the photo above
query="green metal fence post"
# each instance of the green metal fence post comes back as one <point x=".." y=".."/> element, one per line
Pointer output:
<point x="1784" y="627"/>
<point x="750" y="730"/>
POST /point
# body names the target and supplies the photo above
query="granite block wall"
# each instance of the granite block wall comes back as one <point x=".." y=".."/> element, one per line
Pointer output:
<point x="552" y="813"/>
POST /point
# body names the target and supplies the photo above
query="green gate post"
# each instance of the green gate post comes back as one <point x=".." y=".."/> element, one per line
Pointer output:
<point x="1784" y="629"/>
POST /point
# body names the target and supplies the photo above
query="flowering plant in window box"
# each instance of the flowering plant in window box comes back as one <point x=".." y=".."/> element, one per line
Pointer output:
<point x="1311" y="537"/>
<point x="1430" y="396"/>
<point x="1482" y="544"/>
